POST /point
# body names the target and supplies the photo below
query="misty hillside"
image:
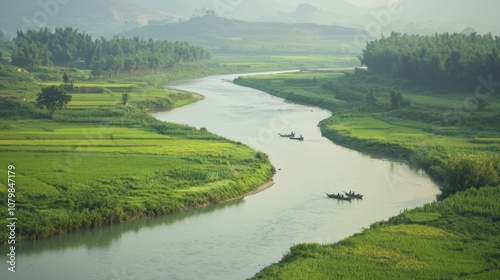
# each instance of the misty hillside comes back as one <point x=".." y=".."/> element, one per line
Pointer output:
<point x="223" y="34"/>
<point x="337" y="12"/>
<point x="97" y="17"/>
<point x="250" y="10"/>
<point x="307" y="13"/>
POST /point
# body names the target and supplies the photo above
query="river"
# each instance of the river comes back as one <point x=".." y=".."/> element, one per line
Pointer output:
<point x="236" y="239"/>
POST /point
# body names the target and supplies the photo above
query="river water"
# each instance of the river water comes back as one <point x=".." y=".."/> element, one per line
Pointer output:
<point x="236" y="239"/>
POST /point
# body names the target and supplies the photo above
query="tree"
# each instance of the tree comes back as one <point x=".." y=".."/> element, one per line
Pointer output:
<point x="52" y="98"/>
<point x="125" y="98"/>
<point x="397" y="100"/>
<point x="370" y="98"/>
<point x="481" y="103"/>
<point x="65" y="78"/>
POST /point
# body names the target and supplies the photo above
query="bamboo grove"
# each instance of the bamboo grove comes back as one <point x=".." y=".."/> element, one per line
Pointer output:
<point x="105" y="57"/>
<point x="441" y="58"/>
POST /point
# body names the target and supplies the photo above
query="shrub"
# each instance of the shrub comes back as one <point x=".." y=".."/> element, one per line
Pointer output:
<point x="465" y="171"/>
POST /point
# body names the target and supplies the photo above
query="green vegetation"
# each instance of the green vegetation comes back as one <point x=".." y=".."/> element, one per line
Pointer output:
<point x="453" y="239"/>
<point x="439" y="59"/>
<point x="52" y="98"/>
<point x="427" y="131"/>
<point x="450" y="131"/>
<point x="70" y="48"/>
<point x="98" y="161"/>
<point x="71" y="175"/>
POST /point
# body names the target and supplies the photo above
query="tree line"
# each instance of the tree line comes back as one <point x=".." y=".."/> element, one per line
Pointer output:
<point x="449" y="58"/>
<point x="68" y="47"/>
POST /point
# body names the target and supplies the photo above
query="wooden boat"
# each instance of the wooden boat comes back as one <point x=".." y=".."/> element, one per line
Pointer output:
<point x="297" y="138"/>
<point x="360" y="196"/>
<point x="287" y="135"/>
<point x="340" y="197"/>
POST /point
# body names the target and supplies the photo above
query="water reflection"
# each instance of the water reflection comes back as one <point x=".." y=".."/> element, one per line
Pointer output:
<point x="104" y="237"/>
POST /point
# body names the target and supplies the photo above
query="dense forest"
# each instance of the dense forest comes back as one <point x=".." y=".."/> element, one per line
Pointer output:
<point x="440" y="58"/>
<point x="70" y="48"/>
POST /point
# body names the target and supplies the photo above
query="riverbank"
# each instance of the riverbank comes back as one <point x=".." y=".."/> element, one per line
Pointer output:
<point x="101" y="128"/>
<point x="455" y="238"/>
<point x="100" y="162"/>
<point x="428" y="135"/>
<point x="454" y="232"/>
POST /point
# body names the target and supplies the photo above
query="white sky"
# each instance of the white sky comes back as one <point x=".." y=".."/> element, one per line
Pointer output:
<point x="368" y="4"/>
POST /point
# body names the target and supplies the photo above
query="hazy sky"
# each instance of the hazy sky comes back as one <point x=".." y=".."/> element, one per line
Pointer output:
<point x="367" y="4"/>
<point x="483" y="14"/>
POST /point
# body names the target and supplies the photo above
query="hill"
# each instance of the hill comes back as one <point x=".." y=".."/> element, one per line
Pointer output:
<point x="229" y="35"/>
<point x="96" y="17"/>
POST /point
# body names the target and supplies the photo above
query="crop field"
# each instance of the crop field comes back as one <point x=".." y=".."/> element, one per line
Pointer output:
<point x="63" y="170"/>
<point x="403" y="134"/>
<point x="92" y="85"/>
<point x="256" y="62"/>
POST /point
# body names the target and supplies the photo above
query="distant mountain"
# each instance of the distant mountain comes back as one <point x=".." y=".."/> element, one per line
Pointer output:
<point x="179" y="8"/>
<point x="308" y="13"/>
<point x="97" y="17"/>
<point x="109" y="17"/>
<point x="225" y="34"/>
<point x="257" y="10"/>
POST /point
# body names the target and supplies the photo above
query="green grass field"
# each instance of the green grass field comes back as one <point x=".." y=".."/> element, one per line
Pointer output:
<point x="64" y="170"/>
<point x="453" y="239"/>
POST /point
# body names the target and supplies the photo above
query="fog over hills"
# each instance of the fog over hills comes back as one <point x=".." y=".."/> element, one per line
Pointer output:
<point x="106" y="17"/>
<point x="423" y="16"/>
<point x="97" y="17"/>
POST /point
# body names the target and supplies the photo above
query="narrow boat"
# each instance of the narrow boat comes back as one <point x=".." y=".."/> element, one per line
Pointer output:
<point x="297" y="138"/>
<point x="339" y="196"/>
<point x="354" y="195"/>
<point x="287" y="135"/>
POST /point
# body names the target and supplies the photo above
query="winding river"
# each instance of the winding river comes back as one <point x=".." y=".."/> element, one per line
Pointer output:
<point x="236" y="239"/>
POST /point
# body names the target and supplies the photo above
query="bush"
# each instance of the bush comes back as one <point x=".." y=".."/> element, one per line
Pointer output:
<point x="465" y="171"/>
